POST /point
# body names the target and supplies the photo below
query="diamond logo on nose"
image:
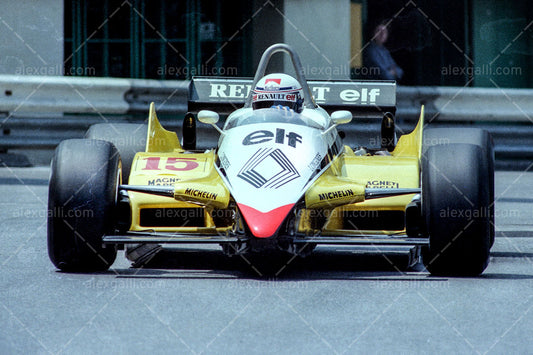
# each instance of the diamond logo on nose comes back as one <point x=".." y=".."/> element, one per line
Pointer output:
<point x="268" y="168"/>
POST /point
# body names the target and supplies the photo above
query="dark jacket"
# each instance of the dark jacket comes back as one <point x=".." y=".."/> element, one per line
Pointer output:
<point x="379" y="63"/>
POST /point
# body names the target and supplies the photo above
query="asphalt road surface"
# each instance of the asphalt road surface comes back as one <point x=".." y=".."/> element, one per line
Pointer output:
<point x="198" y="301"/>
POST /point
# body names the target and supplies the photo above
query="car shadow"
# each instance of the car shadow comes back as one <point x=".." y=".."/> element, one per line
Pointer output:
<point x="321" y="264"/>
<point x="326" y="264"/>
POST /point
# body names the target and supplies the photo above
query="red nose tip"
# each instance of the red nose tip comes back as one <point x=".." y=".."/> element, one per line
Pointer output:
<point x="264" y="224"/>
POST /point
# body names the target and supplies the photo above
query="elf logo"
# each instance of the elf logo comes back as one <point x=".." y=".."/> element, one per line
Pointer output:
<point x="363" y="96"/>
<point x="279" y="137"/>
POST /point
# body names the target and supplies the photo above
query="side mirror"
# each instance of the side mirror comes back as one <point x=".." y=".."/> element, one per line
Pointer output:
<point x="208" y="117"/>
<point x="341" y="117"/>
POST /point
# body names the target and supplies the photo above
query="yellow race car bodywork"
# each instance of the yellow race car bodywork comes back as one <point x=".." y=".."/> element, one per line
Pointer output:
<point x="200" y="192"/>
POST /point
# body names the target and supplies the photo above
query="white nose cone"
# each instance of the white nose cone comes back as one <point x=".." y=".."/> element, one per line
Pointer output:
<point x="267" y="167"/>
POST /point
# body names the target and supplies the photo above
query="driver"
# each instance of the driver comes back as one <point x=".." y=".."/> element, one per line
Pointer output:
<point x="278" y="90"/>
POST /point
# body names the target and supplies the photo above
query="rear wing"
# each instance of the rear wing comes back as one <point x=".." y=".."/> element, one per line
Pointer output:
<point x="369" y="99"/>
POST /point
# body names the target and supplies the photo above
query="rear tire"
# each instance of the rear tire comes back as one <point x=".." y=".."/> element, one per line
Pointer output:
<point x="128" y="138"/>
<point x="81" y="204"/>
<point x="456" y="203"/>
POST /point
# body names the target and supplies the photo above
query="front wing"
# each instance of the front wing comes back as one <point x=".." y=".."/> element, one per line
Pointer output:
<point x="174" y="238"/>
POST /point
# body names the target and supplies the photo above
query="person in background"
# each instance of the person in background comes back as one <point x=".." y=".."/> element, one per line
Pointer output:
<point x="377" y="59"/>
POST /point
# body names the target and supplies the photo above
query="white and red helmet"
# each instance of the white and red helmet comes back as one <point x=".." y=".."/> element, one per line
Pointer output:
<point x="278" y="89"/>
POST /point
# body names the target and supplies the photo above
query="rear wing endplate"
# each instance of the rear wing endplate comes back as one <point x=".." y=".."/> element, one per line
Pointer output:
<point x="362" y="98"/>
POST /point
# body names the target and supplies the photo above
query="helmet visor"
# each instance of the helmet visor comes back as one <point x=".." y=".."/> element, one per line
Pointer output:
<point x="265" y="99"/>
<point x="294" y="105"/>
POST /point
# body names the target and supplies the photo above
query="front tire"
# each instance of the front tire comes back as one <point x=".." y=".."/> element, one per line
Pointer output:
<point x="81" y="204"/>
<point x="456" y="202"/>
<point x="467" y="135"/>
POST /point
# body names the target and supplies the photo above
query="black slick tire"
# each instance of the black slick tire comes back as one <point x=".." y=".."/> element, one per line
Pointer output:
<point x="81" y="204"/>
<point x="456" y="202"/>
<point x="476" y="136"/>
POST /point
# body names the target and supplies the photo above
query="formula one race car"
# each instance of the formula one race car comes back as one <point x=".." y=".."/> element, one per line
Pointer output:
<point x="280" y="178"/>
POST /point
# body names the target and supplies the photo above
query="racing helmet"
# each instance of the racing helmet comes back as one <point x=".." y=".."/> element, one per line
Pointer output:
<point x="278" y="90"/>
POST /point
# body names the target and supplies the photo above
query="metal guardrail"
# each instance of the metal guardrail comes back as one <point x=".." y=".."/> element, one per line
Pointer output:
<point x="460" y="104"/>
<point x="59" y="94"/>
<point x="39" y="111"/>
